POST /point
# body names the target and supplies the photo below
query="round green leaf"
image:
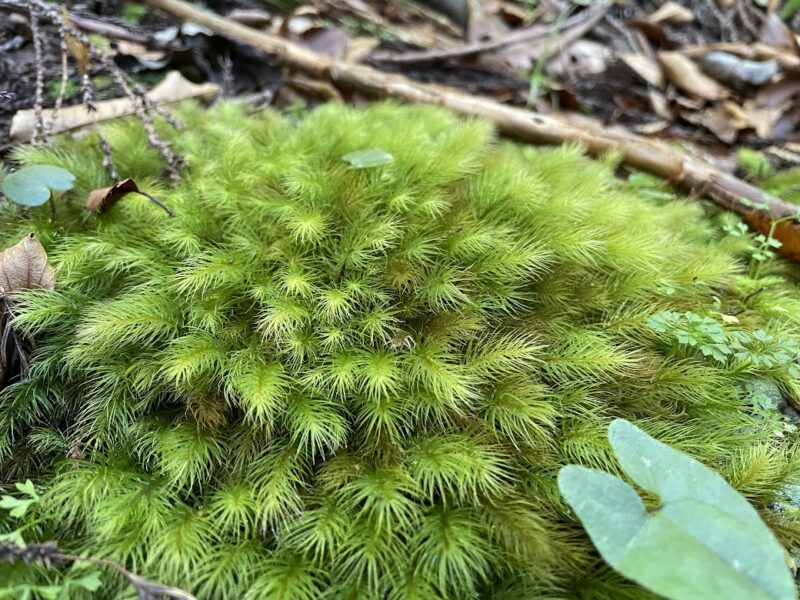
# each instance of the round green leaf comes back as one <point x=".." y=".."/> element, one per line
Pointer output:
<point x="705" y="541"/>
<point x="363" y="159"/>
<point x="32" y="186"/>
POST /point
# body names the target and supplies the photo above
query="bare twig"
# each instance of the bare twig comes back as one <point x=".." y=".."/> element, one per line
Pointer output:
<point x="36" y="34"/>
<point x="64" y="78"/>
<point x="108" y="160"/>
<point x="49" y="555"/>
<point x="573" y="28"/>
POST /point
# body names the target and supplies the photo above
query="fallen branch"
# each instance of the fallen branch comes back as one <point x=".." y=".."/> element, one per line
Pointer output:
<point x="691" y="174"/>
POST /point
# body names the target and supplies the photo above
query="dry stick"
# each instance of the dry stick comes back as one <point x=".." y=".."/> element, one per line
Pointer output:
<point x="691" y="174"/>
<point x="64" y="79"/>
<point x="36" y="34"/>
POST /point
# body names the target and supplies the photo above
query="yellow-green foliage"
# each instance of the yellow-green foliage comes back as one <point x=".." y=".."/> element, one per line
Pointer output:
<point x="325" y="382"/>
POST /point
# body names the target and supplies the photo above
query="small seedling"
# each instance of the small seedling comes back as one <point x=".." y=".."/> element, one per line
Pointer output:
<point x="35" y="185"/>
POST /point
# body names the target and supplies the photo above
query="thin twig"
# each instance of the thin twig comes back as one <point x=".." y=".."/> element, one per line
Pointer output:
<point x="166" y="208"/>
<point x="64" y="78"/>
<point x="108" y="160"/>
<point x="140" y="583"/>
<point x="36" y="34"/>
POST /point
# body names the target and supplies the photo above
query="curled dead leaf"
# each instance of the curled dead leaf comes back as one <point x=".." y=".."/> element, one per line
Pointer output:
<point x="102" y="199"/>
<point x="686" y="74"/>
<point x="24" y="266"/>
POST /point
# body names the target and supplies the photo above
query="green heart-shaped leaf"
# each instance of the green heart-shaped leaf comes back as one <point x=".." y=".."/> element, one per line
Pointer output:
<point x="704" y="542"/>
<point x="32" y="186"/>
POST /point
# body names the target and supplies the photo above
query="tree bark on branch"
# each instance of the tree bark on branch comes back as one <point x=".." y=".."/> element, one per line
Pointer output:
<point x="693" y="175"/>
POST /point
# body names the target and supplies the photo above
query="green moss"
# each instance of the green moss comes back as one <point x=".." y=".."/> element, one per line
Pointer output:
<point x="319" y="381"/>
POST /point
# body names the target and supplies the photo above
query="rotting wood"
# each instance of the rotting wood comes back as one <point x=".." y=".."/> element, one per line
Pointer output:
<point x="691" y="174"/>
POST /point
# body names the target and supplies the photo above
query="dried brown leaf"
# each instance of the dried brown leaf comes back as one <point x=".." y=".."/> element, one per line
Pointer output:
<point x="359" y="48"/>
<point x="724" y="119"/>
<point x="763" y="119"/>
<point x="580" y="59"/>
<point x="24" y="266"/>
<point x="774" y="32"/>
<point x="659" y="104"/>
<point x="252" y="17"/>
<point x="101" y="199"/>
<point x="670" y="13"/>
<point x="331" y="42"/>
<point x="684" y="73"/>
<point x="778" y="93"/>
<point x="645" y="67"/>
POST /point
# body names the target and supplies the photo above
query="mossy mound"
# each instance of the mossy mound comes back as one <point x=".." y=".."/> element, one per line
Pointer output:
<point x="325" y="382"/>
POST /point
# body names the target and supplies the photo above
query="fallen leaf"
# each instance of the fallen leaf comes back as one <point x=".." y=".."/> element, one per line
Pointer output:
<point x="580" y="59"/>
<point x="785" y="128"/>
<point x="670" y="13"/>
<point x="24" y="266"/>
<point x="774" y="32"/>
<point x="686" y="74"/>
<point x="763" y="119"/>
<point x="252" y="17"/>
<point x="331" y="42"/>
<point x="778" y="93"/>
<point x="645" y="67"/>
<point x="101" y="199"/>
<point x="724" y="119"/>
<point x="483" y="23"/>
<point x="651" y="128"/>
<point x="659" y="104"/>
<point x="738" y="72"/>
<point x="359" y="48"/>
